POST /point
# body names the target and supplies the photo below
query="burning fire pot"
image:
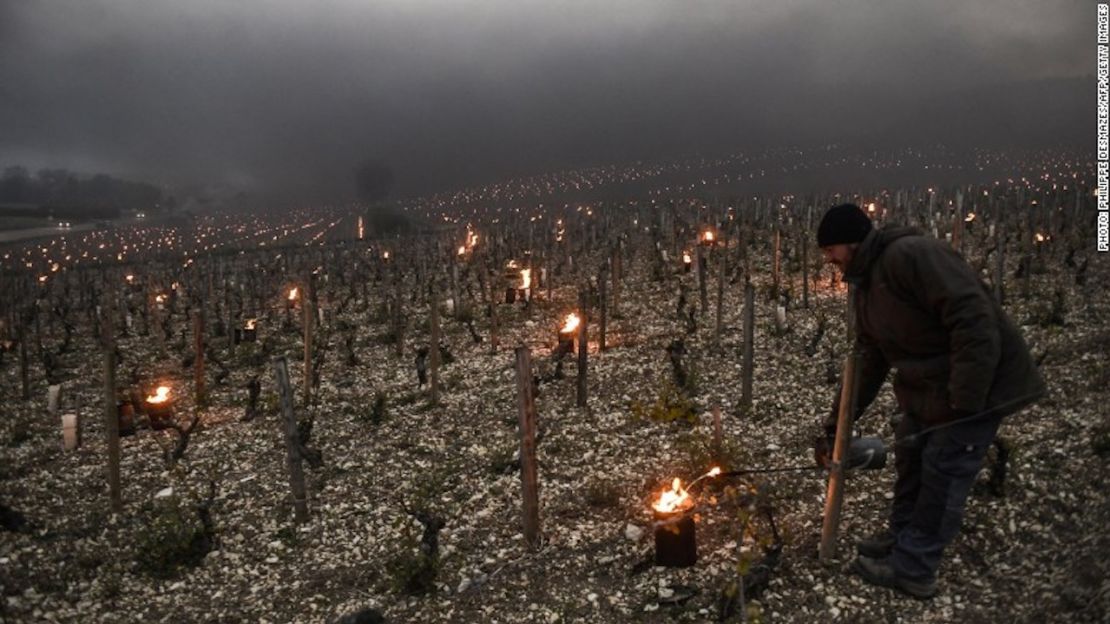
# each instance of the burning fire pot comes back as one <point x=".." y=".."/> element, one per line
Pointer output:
<point x="159" y="408"/>
<point x="676" y="543"/>
<point x="568" y="333"/>
<point x="249" y="333"/>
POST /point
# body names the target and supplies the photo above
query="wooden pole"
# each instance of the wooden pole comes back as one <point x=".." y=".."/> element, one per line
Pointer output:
<point x="111" y="416"/>
<point x="602" y="309"/>
<point x="526" y="409"/>
<point x="722" y="270"/>
<point x="834" y="496"/>
<point x="617" y="276"/>
<point x="433" y="313"/>
<point x="198" y="362"/>
<point x="805" y="259"/>
<point x="292" y="441"/>
<point x="582" y="347"/>
<point x="398" y="318"/>
<point x="703" y="277"/>
<point x="24" y="364"/>
<point x="308" y="322"/>
<point x="718" y="437"/>
<point x="494" y="339"/>
<point x="999" y="263"/>
<point x="749" y="346"/>
<point x="777" y="266"/>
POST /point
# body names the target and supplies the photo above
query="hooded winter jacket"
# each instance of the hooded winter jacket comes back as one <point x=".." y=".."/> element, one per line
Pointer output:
<point x="921" y="310"/>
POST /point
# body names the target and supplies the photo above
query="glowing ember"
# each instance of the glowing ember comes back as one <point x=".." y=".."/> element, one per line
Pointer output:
<point x="571" y="323"/>
<point x="161" y="395"/>
<point x="385" y="255"/>
<point x="250" y="323"/>
<point x="708" y="236"/>
<point x="293" y="294"/>
<point x="871" y="207"/>
<point x="686" y="257"/>
<point x="130" y="279"/>
<point x="1041" y="237"/>
<point x="160" y="298"/>
<point x="673" y="500"/>
<point x="462" y="250"/>
<point x="526" y="278"/>
<point x="970" y="217"/>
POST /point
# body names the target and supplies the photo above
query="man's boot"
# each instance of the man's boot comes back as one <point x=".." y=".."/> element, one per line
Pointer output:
<point x="880" y="572"/>
<point x="877" y="546"/>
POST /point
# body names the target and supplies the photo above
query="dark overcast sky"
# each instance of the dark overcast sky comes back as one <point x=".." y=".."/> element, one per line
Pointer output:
<point x="292" y="94"/>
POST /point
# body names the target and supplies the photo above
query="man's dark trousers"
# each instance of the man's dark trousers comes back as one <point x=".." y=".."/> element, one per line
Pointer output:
<point x="935" y="473"/>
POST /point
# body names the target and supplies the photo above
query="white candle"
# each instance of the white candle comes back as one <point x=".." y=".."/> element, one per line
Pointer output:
<point x="71" y="431"/>
<point x="53" y="399"/>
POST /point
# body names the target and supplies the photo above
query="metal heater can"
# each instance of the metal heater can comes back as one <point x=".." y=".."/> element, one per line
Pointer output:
<point x="676" y="543"/>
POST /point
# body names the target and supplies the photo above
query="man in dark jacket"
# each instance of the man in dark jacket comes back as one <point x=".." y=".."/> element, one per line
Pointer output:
<point x="961" y="366"/>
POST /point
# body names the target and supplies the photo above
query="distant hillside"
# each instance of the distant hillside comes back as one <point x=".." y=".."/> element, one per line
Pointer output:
<point x="67" y="194"/>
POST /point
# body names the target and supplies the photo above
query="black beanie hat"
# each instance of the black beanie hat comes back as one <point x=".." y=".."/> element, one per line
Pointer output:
<point x="845" y="223"/>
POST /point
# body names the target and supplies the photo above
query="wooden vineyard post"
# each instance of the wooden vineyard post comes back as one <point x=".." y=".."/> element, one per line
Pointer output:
<point x="805" y="259"/>
<point x="717" y="451"/>
<point x="834" y="495"/>
<point x="703" y="277"/>
<point x="582" y="347"/>
<point x="493" y="328"/>
<point x="615" y="306"/>
<point x="111" y="415"/>
<point x="526" y="408"/>
<point x="602" y="311"/>
<point x="229" y="320"/>
<point x="722" y="270"/>
<point x="159" y="328"/>
<point x="999" y="259"/>
<point x="958" y="222"/>
<point x="308" y="321"/>
<point x="198" y="362"/>
<point x="749" y="345"/>
<point x="398" y="317"/>
<point x="1028" y="257"/>
<point x="433" y="313"/>
<point x="776" y="268"/>
<point x="292" y="441"/>
<point x="24" y="365"/>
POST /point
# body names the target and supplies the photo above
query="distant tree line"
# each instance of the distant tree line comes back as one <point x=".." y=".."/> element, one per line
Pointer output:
<point x="66" y="194"/>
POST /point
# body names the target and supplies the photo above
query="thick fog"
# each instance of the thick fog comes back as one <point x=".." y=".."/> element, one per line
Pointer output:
<point x="292" y="95"/>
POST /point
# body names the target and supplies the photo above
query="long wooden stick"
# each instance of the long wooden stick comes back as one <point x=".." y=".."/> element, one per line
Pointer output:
<point x="308" y="321"/>
<point x="834" y="496"/>
<point x="526" y="407"/>
<point x="749" y="346"/>
<point x="24" y="364"/>
<point x="433" y="313"/>
<point x="583" y="347"/>
<point x="111" y="415"/>
<point x="602" y="309"/>
<point x="494" y="338"/>
<point x="198" y="361"/>
<point x="292" y="441"/>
